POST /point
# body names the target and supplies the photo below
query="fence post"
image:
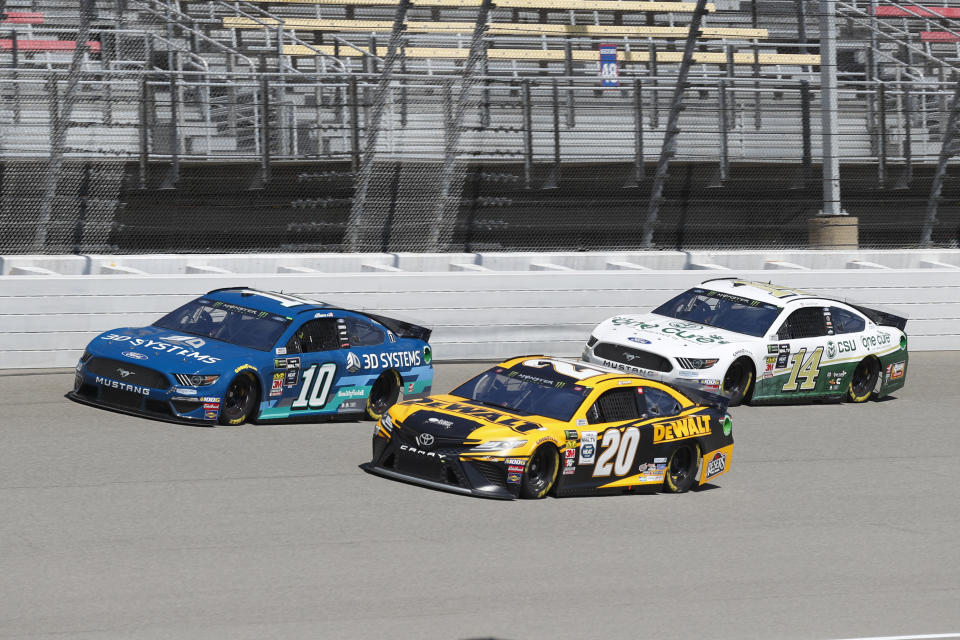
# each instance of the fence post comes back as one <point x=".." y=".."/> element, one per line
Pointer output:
<point x="882" y="126"/>
<point x="724" y="148"/>
<point x="568" y="71"/>
<point x="264" y="128"/>
<point x="354" y="124"/>
<point x="906" y="177"/>
<point x="527" y="134"/>
<point x="144" y="140"/>
<point x="173" y="175"/>
<point x="637" y="133"/>
<point x="807" y="161"/>
<point x="553" y="180"/>
<point x="654" y="94"/>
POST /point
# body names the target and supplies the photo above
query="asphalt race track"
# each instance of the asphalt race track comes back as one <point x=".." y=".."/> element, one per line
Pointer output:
<point x="835" y="521"/>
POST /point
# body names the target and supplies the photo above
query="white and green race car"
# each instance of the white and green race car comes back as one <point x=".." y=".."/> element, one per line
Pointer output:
<point x="757" y="342"/>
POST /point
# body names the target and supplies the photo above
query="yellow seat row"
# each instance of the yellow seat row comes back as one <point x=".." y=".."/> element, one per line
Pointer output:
<point x="497" y="29"/>
<point x="699" y="57"/>
<point x="560" y="5"/>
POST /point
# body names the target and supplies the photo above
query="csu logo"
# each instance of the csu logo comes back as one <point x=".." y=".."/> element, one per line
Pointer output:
<point x="353" y="362"/>
<point x="831" y="349"/>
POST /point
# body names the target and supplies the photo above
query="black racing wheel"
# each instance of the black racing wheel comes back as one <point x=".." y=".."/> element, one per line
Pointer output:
<point x="540" y="473"/>
<point x="383" y="395"/>
<point x="239" y="403"/>
<point x="864" y="380"/>
<point x="682" y="468"/>
<point x="737" y="381"/>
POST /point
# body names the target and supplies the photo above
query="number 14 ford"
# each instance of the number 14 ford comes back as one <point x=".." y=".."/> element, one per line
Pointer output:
<point x="238" y="354"/>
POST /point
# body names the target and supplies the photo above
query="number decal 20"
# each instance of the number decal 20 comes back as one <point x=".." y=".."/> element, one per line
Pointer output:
<point x="317" y="381"/>
<point x="619" y="450"/>
<point x="808" y="369"/>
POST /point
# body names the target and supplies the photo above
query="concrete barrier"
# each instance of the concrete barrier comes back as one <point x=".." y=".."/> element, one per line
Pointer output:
<point x="479" y="305"/>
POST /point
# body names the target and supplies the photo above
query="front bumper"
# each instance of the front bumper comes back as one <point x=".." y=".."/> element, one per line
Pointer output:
<point x="171" y="404"/>
<point x="709" y="380"/>
<point x="444" y="469"/>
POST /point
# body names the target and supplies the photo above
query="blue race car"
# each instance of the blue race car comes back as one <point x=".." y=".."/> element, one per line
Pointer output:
<point x="239" y="354"/>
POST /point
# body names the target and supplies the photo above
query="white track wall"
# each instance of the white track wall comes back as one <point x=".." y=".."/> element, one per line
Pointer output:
<point x="475" y="312"/>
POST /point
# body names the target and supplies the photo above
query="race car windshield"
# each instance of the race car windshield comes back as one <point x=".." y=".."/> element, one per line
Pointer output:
<point x="525" y="393"/>
<point x="721" y="310"/>
<point x="231" y="323"/>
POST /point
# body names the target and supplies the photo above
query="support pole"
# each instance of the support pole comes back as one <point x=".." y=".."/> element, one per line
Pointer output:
<point x="527" y="134"/>
<point x="946" y="152"/>
<point x="828" y="109"/>
<point x="670" y="136"/>
<point x="882" y="137"/>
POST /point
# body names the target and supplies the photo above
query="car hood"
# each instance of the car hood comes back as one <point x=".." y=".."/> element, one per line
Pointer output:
<point x="662" y="334"/>
<point x="452" y="418"/>
<point x="167" y="350"/>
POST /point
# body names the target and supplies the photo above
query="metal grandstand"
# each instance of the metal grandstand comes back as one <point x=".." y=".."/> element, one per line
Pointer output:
<point x="107" y="101"/>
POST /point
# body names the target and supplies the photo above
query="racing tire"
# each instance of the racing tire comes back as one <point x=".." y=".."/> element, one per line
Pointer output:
<point x="682" y="468"/>
<point x="540" y="474"/>
<point x="240" y="402"/>
<point x="864" y="380"/>
<point x="738" y="382"/>
<point x="383" y="395"/>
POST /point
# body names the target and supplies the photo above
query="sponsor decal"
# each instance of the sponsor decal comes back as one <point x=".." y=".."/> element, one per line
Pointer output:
<point x="123" y="386"/>
<point x="717" y="464"/>
<point x="210" y="415"/>
<point x="133" y="355"/>
<point x="281" y="351"/>
<point x="772" y="349"/>
<point x="159" y="345"/>
<point x="570" y="453"/>
<point x="391" y="336"/>
<point x="291" y="374"/>
<point x="410" y="387"/>
<point x="211" y="406"/>
<point x="571" y="444"/>
<point x="446" y="424"/>
<point x="513" y="478"/>
<point x="686" y="373"/>
<point x="184" y="391"/>
<point x="569" y="471"/>
<point x="623" y="382"/>
<point x="353" y="362"/>
<point x="770" y="359"/>
<point x="588" y="447"/>
<point x="896" y="370"/>
<point x="660" y="460"/>
<point x="637" y="340"/>
<point x="742" y="352"/>
<point x="276" y="387"/>
<point x="581" y="422"/>
<point x="783" y="356"/>
<point x="517" y="424"/>
<point x="831" y="349"/>
<point x="328" y="314"/>
<point x="210" y="399"/>
<point x="646" y="373"/>
<point x="569" y="463"/>
<point x="643" y="467"/>
<point x="875" y="341"/>
<point x="571" y="434"/>
<point x="845" y="346"/>
<point x="395" y="360"/>
<point x="351" y="393"/>
<point x="681" y="429"/>
<point x="193" y="341"/>
<point x="425" y="440"/>
<point x="519" y="461"/>
<point x="515" y="468"/>
<point x="244" y="367"/>
<point x="679" y="329"/>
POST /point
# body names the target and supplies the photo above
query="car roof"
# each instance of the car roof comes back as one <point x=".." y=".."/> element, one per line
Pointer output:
<point x="602" y="373"/>
<point x="762" y="291"/>
<point x="269" y="301"/>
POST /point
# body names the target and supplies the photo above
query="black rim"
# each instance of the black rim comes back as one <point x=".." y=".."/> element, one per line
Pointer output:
<point x="236" y="401"/>
<point x="680" y="465"/>
<point x="736" y="379"/>
<point x="539" y="470"/>
<point x="381" y="394"/>
<point x="862" y="378"/>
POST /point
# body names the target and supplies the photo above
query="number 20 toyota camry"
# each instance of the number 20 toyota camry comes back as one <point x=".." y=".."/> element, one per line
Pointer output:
<point x="532" y="425"/>
<point x="238" y="354"/>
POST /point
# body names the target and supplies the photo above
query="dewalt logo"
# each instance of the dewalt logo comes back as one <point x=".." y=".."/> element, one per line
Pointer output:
<point x="681" y="428"/>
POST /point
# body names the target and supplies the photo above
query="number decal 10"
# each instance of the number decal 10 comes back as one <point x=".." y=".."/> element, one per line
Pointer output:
<point x="317" y="381"/>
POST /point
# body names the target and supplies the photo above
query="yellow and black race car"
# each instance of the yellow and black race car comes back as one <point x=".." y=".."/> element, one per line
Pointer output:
<point x="535" y="424"/>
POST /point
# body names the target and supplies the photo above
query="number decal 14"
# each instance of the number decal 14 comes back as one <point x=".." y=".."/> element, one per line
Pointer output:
<point x="807" y="369"/>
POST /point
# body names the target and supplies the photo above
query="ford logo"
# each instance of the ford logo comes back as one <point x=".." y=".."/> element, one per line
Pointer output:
<point x="133" y="355"/>
<point x="638" y="340"/>
<point x="425" y="439"/>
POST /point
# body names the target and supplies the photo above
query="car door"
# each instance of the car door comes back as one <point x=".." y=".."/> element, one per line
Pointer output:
<point x="312" y="363"/>
<point x="803" y="340"/>
<point x="617" y="442"/>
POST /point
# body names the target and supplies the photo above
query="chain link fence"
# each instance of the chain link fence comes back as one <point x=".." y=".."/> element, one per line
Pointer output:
<point x="146" y="145"/>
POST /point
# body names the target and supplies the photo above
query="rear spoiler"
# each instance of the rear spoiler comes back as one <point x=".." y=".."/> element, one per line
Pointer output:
<point x="401" y="327"/>
<point x="882" y="318"/>
<point x="704" y="398"/>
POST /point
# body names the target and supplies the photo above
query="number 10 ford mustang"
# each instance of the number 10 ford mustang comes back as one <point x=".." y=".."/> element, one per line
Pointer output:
<point x="239" y="354"/>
